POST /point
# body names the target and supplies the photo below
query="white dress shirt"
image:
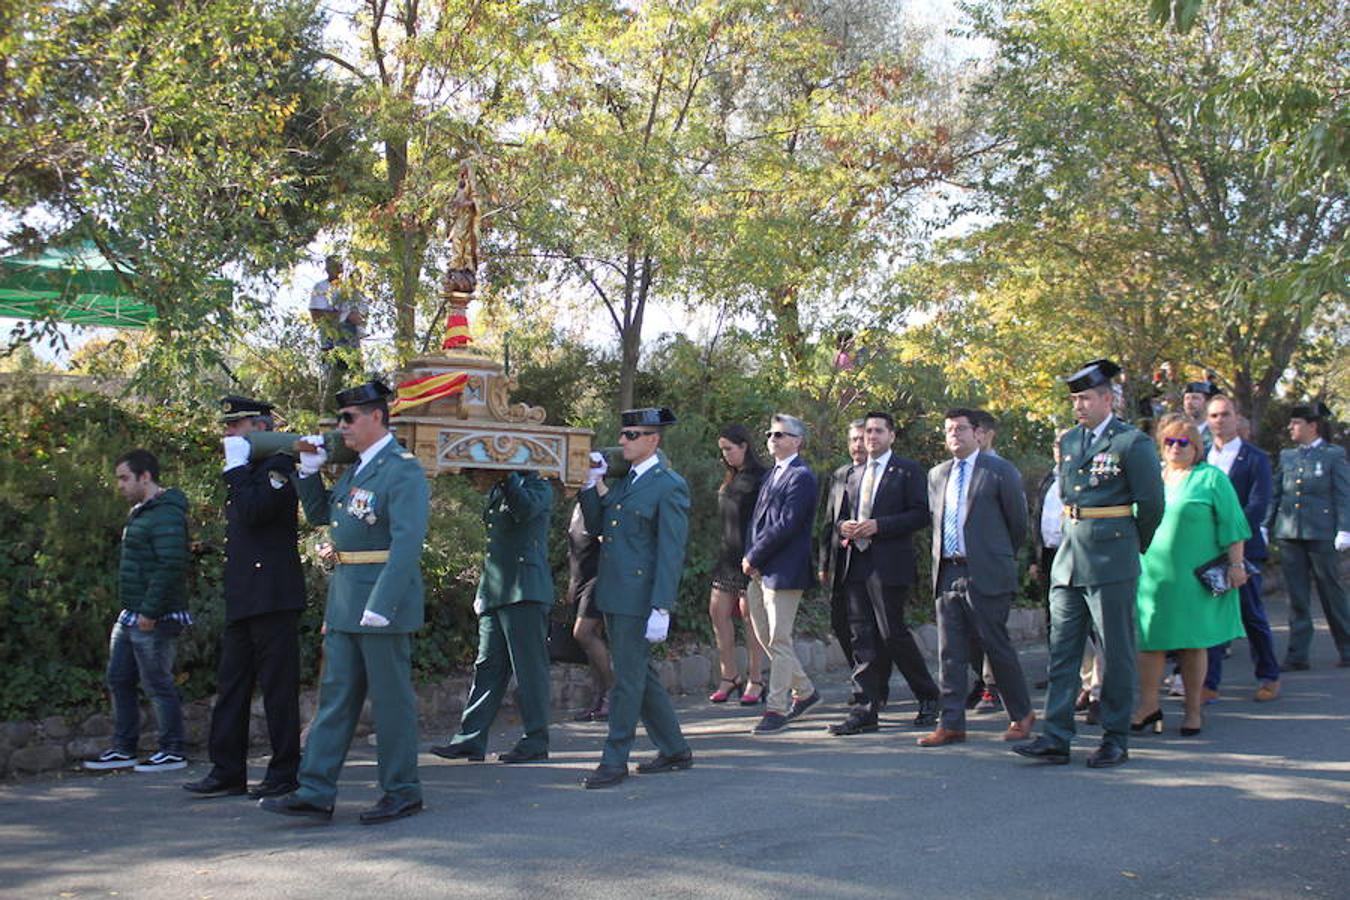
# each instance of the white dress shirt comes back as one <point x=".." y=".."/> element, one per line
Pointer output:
<point x="779" y="467"/>
<point x="1052" y="515"/>
<point x="1224" y="457"/>
<point x="369" y="453"/>
<point x="640" y="468"/>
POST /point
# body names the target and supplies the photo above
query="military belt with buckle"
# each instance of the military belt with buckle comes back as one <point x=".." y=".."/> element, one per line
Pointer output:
<point x="361" y="557"/>
<point x="1076" y="512"/>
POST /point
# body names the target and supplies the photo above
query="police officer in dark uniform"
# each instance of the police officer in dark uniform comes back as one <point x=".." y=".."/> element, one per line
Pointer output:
<point x="264" y="594"/>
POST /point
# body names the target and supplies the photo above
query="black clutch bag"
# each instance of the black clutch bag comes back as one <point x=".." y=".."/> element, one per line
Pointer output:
<point x="562" y="646"/>
<point x="1214" y="575"/>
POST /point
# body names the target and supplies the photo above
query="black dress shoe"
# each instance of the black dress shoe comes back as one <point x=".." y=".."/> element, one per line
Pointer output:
<point x="1044" y="749"/>
<point x="802" y="704"/>
<point x="388" y="809"/>
<point x="682" y="760"/>
<point x="928" y="714"/>
<point x="511" y="757"/>
<point x="770" y="723"/>
<point x="605" y="776"/>
<point x="854" y="724"/>
<point x="458" y="751"/>
<point x="272" y="789"/>
<point x="1106" y="756"/>
<point x="211" y="786"/>
<point x="291" y="805"/>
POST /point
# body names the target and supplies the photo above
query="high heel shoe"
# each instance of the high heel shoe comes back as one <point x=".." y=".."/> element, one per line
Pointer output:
<point x="1154" y="718"/>
<point x="722" y="696"/>
<point x="1192" y="732"/>
<point x="747" y="700"/>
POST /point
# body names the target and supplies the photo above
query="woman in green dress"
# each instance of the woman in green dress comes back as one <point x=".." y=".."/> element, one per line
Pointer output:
<point x="1202" y="520"/>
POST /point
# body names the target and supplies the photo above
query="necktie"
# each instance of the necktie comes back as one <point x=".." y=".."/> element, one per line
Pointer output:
<point x="951" y="516"/>
<point x="869" y="484"/>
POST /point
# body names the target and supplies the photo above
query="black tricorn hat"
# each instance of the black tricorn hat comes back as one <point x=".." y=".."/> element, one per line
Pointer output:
<point x="649" y="416"/>
<point x="370" y="392"/>
<point x="1207" y="388"/>
<point x="1097" y="372"/>
<point x="1310" y="412"/>
<point x="234" y="407"/>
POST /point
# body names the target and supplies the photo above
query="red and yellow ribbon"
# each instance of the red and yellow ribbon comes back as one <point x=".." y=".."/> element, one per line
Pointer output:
<point x="427" y="388"/>
<point x="456" y="332"/>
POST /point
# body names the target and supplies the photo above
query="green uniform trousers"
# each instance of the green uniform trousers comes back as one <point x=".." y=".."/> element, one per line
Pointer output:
<point x="355" y="663"/>
<point x="1073" y="611"/>
<point x="637" y="694"/>
<point x="512" y="638"/>
<point x="1306" y="562"/>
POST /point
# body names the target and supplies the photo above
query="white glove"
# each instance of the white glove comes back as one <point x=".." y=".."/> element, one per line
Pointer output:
<point x="658" y="625"/>
<point x="1342" y="540"/>
<point x="236" y="452"/>
<point x="479" y="606"/>
<point x="373" y="620"/>
<point x="1265" y="534"/>
<point x="313" y="462"/>
<point x="599" y="466"/>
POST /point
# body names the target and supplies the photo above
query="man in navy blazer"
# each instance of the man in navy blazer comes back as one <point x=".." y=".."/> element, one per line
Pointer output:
<point x="778" y="560"/>
<point x="1248" y="467"/>
<point x="887" y="502"/>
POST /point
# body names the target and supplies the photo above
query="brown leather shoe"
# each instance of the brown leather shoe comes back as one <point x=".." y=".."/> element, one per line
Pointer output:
<point x="1267" y="691"/>
<point x="941" y="737"/>
<point x="1020" y="730"/>
<point x="1210" y="695"/>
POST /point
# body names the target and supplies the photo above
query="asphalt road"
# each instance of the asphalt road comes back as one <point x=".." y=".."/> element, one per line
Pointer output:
<point x="1258" y="805"/>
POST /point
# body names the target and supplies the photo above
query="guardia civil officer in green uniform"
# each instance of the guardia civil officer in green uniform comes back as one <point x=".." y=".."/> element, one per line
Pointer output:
<point x="643" y="524"/>
<point x="1310" y="516"/>
<point x="377" y="518"/>
<point x="514" y="596"/>
<point x="1194" y="402"/>
<point x="1111" y="486"/>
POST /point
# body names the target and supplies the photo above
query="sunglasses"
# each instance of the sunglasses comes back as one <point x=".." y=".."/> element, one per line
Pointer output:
<point x="1177" y="442"/>
<point x="347" y="418"/>
<point x="632" y="434"/>
<point x="778" y="435"/>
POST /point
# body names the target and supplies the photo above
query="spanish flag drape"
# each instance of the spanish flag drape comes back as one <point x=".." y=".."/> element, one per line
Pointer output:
<point x="456" y="332"/>
<point x="427" y="388"/>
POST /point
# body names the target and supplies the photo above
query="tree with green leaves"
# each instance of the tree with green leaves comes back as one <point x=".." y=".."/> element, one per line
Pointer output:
<point x="1135" y="208"/>
<point x="187" y="140"/>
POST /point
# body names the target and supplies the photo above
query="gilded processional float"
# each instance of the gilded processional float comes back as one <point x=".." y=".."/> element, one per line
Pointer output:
<point x="453" y="409"/>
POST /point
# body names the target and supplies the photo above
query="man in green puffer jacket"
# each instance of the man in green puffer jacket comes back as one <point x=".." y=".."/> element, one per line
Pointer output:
<point x="152" y="580"/>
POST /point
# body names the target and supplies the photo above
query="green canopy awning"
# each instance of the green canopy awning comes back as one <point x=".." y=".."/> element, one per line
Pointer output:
<point x="72" y="283"/>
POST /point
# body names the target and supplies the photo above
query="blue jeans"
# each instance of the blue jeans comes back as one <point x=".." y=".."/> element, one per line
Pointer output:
<point x="145" y="657"/>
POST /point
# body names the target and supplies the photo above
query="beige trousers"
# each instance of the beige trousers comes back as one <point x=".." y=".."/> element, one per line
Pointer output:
<point x="773" y="613"/>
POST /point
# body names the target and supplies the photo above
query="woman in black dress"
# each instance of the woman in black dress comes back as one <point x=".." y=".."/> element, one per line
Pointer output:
<point x="735" y="503"/>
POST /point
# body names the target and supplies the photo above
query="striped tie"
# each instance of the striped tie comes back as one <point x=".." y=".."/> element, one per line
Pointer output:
<point x="951" y="516"/>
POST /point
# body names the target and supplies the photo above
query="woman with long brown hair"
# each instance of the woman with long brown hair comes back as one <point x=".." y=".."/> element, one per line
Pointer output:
<point x="735" y="503"/>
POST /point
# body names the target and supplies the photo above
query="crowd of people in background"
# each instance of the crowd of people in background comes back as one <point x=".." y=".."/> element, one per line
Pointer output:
<point x="1148" y="550"/>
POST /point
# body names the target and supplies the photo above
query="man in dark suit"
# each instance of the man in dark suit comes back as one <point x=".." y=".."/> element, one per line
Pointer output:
<point x="377" y="516"/>
<point x="886" y="503"/>
<point x="979" y="521"/>
<point x="829" y="552"/>
<point x="778" y="562"/>
<point x="643" y="525"/>
<point x="515" y="592"/>
<point x="264" y="594"/>
<point x="1310" y="517"/>
<point x="1248" y="467"/>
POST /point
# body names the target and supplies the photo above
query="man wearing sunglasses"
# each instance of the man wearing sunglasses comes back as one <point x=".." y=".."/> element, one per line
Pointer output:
<point x="1111" y="487"/>
<point x="778" y="562"/>
<point x="643" y="524"/>
<point x="377" y="519"/>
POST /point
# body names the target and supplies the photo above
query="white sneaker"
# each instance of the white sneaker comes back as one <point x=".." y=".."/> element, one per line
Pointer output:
<point x="110" y="759"/>
<point x="162" y="762"/>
